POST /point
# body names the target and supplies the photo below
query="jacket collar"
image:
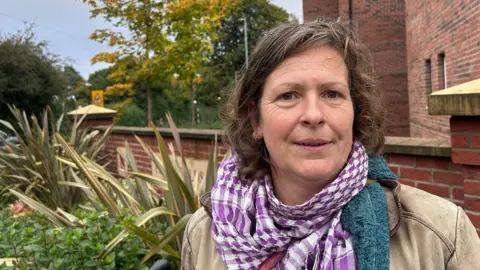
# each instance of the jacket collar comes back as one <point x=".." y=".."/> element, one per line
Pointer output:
<point x="392" y="194"/>
<point x="206" y="202"/>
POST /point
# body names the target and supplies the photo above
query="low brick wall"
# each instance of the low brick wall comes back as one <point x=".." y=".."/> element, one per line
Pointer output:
<point x="196" y="144"/>
<point x="426" y="164"/>
<point x="436" y="175"/>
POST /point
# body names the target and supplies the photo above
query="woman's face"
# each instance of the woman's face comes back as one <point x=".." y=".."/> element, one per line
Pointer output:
<point x="306" y="117"/>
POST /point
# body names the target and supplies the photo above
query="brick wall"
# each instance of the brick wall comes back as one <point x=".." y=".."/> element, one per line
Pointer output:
<point x="465" y="141"/>
<point x="312" y="8"/>
<point x="382" y="27"/>
<point x="433" y="28"/>
<point x="96" y="122"/>
<point x="437" y="175"/>
<point x="408" y="40"/>
<point x="197" y="148"/>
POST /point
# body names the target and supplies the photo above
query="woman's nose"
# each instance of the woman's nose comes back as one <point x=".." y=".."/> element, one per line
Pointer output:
<point x="312" y="114"/>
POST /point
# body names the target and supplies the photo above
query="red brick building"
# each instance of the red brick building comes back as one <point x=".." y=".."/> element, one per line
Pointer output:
<point x="419" y="47"/>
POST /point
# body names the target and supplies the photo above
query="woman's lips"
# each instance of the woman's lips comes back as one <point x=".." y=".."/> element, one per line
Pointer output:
<point x="313" y="146"/>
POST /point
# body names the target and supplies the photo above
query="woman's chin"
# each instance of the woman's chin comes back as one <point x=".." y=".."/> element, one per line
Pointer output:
<point x="320" y="175"/>
<point x="322" y="170"/>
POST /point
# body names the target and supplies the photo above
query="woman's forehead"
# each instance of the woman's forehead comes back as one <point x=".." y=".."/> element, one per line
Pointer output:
<point x="311" y="62"/>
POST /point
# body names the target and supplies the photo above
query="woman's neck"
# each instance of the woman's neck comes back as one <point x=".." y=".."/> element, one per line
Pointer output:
<point x="296" y="192"/>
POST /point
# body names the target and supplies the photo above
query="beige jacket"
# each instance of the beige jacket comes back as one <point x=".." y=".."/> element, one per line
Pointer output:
<point x="426" y="232"/>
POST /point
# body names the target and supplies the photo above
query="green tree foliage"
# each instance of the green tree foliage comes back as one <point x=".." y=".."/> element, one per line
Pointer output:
<point x="133" y="116"/>
<point x="99" y="79"/>
<point x="96" y="81"/>
<point x="72" y="77"/>
<point x="164" y="38"/>
<point x="229" y="55"/>
<point x="77" y="91"/>
<point x="30" y="76"/>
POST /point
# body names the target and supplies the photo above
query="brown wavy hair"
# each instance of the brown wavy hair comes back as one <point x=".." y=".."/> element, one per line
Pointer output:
<point x="274" y="47"/>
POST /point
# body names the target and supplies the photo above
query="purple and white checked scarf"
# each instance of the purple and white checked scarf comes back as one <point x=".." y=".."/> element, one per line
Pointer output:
<point x="250" y="224"/>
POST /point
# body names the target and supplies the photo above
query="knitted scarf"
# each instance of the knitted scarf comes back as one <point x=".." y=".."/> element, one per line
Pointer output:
<point x="250" y="225"/>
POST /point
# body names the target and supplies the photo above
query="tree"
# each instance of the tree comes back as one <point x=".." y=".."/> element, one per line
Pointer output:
<point x="229" y="54"/>
<point x="76" y="86"/>
<point x="30" y="76"/>
<point x="99" y="79"/>
<point x="73" y="79"/>
<point x="82" y="90"/>
<point x="163" y="39"/>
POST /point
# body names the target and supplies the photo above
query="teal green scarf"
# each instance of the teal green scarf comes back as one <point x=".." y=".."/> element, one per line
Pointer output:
<point x="366" y="218"/>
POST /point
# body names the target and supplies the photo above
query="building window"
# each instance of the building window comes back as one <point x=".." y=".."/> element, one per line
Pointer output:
<point x="442" y="71"/>
<point x="428" y="76"/>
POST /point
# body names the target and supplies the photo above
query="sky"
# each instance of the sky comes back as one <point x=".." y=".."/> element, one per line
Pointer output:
<point x="66" y="25"/>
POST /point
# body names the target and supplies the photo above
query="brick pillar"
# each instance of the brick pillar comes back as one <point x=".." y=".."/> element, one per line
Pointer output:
<point x="93" y="121"/>
<point x="461" y="102"/>
<point x="465" y="139"/>
<point x="94" y="116"/>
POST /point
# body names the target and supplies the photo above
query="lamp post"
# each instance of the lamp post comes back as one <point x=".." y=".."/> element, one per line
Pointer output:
<point x="245" y="37"/>
<point x="245" y="41"/>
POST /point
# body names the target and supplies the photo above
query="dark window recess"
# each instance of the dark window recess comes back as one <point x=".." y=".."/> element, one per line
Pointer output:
<point x="428" y="76"/>
<point x="442" y="71"/>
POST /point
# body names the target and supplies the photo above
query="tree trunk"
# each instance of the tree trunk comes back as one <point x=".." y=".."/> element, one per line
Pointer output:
<point x="149" y="104"/>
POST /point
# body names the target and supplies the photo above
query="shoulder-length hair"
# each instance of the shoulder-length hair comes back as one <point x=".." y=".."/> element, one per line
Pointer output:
<point x="274" y="47"/>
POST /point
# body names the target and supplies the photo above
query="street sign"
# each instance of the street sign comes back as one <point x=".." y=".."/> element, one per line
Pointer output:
<point x="97" y="98"/>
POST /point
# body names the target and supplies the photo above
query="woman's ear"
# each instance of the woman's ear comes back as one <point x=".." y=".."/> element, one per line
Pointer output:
<point x="254" y="117"/>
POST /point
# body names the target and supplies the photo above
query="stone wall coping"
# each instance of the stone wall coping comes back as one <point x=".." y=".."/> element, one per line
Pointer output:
<point x="462" y="99"/>
<point x="185" y="133"/>
<point x="393" y="145"/>
<point x="418" y="146"/>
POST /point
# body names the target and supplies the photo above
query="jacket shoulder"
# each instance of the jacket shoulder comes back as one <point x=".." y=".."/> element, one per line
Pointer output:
<point x="434" y="233"/>
<point x="198" y="228"/>
<point x="198" y="247"/>
<point x="199" y="218"/>
<point x="433" y="212"/>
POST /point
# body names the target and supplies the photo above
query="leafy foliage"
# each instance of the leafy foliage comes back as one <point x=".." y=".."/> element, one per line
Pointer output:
<point x="32" y="243"/>
<point x="29" y="71"/>
<point x="229" y="49"/>
<point x="140" y="193"/>
<point x="142" y="203"/>
<point x="133" y="116"/>
<point x="32" y="167"/>
<point x="184" y="191"/>
<point x="73" y="79"/>
<point x="99" y="79"/>
<point x="164" y="38"/>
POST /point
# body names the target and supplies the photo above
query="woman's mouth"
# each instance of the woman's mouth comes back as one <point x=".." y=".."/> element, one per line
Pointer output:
<point x="313" y="145"/>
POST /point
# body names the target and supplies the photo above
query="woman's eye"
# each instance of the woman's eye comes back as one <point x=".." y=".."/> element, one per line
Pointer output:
<point x="332" y="94"/>
<point x="287" y="96"/>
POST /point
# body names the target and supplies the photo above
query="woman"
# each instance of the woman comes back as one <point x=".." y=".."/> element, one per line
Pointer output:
<point x="302" y="192"/>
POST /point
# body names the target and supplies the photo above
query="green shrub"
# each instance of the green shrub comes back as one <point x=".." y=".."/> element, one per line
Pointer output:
<point x="38" y="245"/>
<point x="181" y="193"/>
<point x="158" y="218"/>
<point x="32" y="166"/>
<point x="133" y="116"/>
